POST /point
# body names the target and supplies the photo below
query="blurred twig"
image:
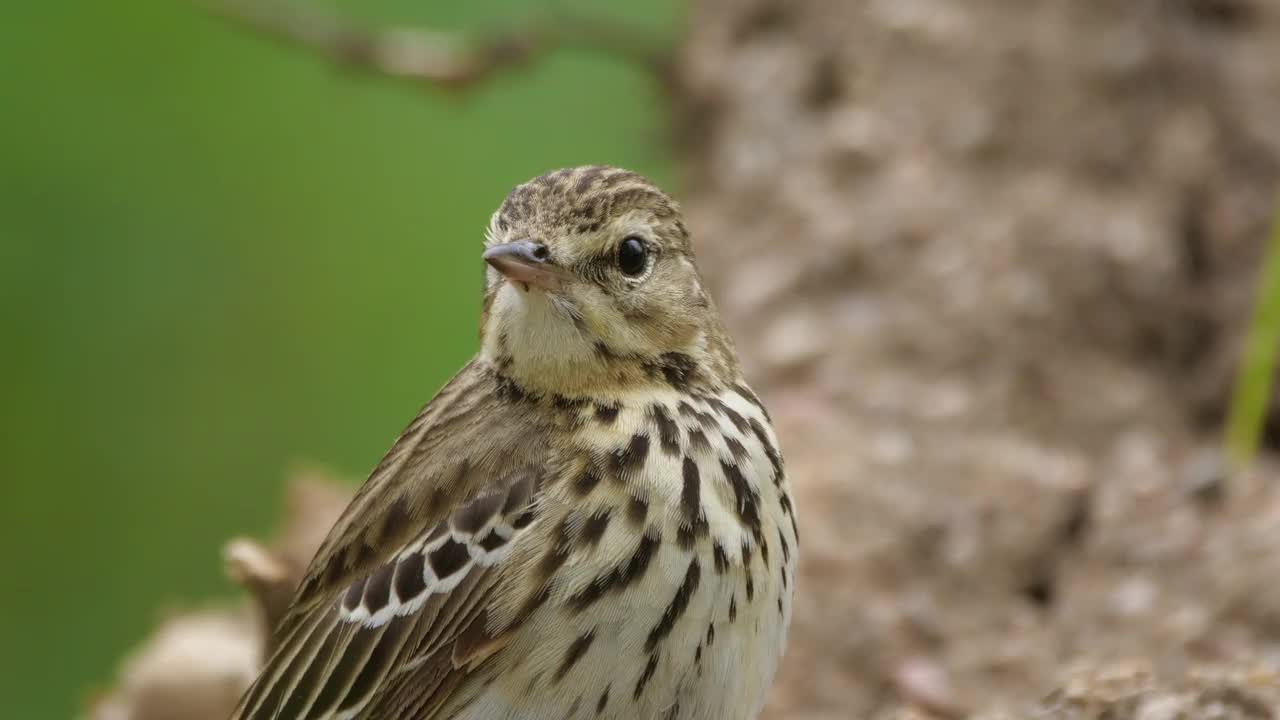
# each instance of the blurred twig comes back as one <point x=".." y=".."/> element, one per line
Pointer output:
<point x="1252" y="394"/>
<point x="432" y="58"/>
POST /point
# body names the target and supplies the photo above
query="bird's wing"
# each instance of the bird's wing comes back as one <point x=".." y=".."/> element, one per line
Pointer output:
<point x="406" y="572"/>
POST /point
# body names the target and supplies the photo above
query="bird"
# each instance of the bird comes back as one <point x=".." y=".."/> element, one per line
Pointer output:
<point x="592" y="519"/>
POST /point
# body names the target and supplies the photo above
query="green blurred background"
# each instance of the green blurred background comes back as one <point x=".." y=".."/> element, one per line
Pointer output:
<point x="219" y="257"/>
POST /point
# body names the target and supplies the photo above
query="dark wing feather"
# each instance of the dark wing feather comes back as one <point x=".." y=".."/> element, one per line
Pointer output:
<point x="411" y="564"/>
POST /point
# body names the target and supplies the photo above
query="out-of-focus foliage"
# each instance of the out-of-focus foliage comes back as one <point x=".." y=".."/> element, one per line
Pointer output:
<point x="217" y="257"/>
<point x="1257" y="370"/>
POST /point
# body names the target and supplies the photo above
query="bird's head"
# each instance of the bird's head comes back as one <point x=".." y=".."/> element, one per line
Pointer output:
<point x="591" y="286"/>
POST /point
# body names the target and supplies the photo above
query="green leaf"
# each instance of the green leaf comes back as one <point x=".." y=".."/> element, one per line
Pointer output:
<point x="1258" y="363"/>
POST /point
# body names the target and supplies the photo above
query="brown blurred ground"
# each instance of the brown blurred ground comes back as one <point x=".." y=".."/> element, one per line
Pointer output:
<point x="989" y="262"/>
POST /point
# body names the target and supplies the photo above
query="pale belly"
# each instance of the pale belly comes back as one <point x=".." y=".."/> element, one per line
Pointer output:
<point x="654" y="620"/>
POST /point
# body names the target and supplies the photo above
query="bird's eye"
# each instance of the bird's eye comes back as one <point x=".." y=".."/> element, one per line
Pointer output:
<point x="633" y="256"/>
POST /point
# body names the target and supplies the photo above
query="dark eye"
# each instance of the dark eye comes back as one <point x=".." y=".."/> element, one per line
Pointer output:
<point x="632" y="256"/>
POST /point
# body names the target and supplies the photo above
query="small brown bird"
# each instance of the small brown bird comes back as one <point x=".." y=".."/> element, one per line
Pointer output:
<point x="591" y="520"/>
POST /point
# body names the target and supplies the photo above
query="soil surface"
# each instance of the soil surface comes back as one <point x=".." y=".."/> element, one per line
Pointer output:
<point x="989" y="262"/>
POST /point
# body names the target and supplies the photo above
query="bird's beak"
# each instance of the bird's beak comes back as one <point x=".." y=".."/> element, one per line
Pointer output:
<point x="527" y="263"/>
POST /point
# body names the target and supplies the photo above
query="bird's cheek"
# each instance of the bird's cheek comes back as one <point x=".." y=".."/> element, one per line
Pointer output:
<point x="587" y="303"/>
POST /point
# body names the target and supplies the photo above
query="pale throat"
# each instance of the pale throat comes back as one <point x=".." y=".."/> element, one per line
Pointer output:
<point x="533" y="340"/>
<point x="536" y="344"/>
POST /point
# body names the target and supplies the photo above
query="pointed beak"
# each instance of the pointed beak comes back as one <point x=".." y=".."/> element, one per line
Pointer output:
<point x="527" y="263"/>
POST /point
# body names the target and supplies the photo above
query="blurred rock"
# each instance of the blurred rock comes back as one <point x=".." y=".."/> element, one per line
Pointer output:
<point x="924" y="684"/>
<point x="193" y="667"/>
<point x="197" y="663"/>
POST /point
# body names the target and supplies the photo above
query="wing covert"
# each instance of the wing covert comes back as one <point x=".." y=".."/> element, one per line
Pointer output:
<point x="405" y="613"/>
<point x="413" y="561"/>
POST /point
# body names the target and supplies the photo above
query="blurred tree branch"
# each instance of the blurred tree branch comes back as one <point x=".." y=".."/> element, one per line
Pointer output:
<point x="432" y="58"/>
